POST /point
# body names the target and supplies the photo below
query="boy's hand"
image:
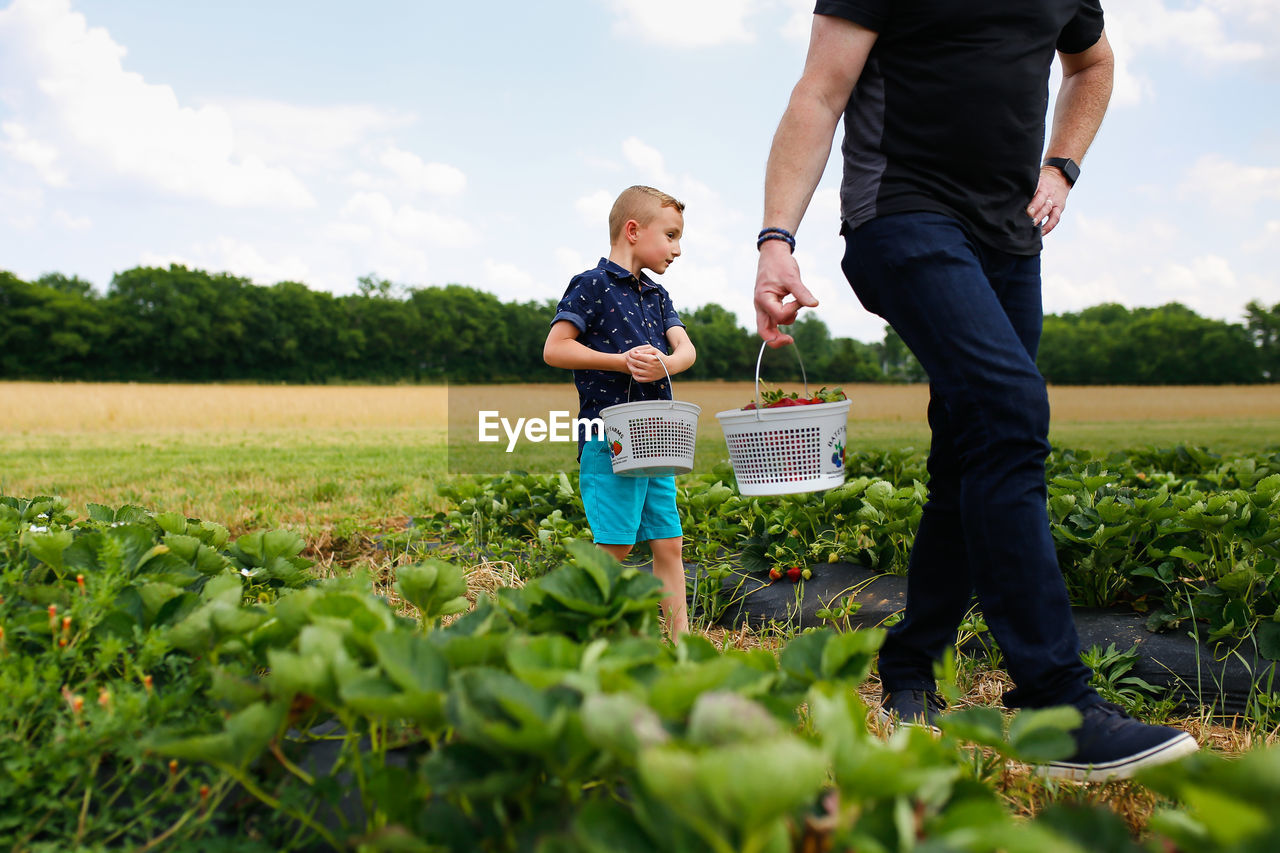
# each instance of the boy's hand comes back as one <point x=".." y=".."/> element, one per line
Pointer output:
<point x="643" y="365"/>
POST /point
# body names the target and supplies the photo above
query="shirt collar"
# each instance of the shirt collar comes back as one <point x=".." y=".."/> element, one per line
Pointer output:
<point x="618" y="272"/>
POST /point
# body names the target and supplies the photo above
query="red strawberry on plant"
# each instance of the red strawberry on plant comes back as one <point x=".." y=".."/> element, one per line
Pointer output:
<point x="775" y="574"/>
<point x="793" y="574"/>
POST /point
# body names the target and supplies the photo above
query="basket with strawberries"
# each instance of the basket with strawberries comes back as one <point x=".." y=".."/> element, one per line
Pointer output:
<point x="787" y="443"/>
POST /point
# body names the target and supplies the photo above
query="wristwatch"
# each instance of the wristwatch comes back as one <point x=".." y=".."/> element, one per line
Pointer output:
<point x="1069" y="168"/>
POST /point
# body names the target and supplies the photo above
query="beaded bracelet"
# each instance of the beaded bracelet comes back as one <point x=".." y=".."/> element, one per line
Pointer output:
<point x="776" y="234"/>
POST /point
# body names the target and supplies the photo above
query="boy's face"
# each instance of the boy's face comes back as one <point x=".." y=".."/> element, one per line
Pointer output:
<point x="658" y="243"/>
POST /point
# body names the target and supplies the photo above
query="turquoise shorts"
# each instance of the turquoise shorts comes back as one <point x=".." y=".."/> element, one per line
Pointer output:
<point x="625" y="510"/>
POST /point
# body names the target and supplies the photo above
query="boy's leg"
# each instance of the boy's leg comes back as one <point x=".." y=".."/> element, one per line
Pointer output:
<point x="660" y="527"/>
<point x="612" y="504"/>
<point x="618" y="552"/>
<point x="668" y="567"/>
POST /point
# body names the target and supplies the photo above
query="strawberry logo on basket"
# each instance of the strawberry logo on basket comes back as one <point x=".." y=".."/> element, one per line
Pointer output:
<point x="615" y="448"/>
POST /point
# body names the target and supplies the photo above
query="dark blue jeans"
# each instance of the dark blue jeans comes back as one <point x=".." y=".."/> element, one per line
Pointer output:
<point x="972" y="315"/>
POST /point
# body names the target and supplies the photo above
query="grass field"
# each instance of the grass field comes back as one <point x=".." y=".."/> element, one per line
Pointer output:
<point x="322" y="458"/>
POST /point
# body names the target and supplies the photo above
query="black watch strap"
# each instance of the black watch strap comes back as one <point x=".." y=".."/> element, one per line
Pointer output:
<point x="1069" y="168"/>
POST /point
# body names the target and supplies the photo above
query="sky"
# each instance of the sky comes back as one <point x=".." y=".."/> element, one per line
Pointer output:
<point x="483" y="143"/>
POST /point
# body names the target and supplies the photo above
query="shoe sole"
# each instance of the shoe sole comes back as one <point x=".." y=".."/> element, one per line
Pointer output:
<point x="892" y="721"/>
<point x="1122" y="768"/>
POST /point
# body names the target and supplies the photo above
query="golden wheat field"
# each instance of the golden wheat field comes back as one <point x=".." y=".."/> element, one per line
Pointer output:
<point x="43" y="407"/>
<point x="316" y="457"/>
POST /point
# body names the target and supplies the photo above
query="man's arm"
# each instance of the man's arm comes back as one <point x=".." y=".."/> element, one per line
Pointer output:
<point x="1077" y="115"/>
<point x="838" y="50"/>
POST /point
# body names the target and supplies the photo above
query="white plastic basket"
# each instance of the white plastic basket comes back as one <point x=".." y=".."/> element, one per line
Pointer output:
<point x="786" y="450"/>
<point x="651" y="438"/>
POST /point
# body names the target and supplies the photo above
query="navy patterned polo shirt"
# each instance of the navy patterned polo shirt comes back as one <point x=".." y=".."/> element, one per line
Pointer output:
<point x="614" y="311"/>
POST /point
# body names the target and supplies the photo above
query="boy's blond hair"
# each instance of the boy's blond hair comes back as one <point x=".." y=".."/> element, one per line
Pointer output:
<point x="638" y="203"/>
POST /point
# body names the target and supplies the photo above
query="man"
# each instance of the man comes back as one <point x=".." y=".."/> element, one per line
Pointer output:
<point x="944" y="202"/>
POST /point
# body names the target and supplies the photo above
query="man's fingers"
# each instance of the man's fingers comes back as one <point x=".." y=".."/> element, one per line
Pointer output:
<point x="803" y="298"/>
<point x="1052" y="222"/>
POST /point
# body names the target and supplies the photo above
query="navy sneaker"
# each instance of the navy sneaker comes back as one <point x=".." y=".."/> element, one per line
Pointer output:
<point x="912" y="708"/>
<point x="1112" y="745"/>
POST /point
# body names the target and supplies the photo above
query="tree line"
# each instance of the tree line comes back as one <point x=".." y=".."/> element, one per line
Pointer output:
<point x="184" y="325"/>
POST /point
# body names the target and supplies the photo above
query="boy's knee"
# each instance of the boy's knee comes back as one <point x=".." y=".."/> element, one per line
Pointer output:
<point x="619" y="552"/>
<point x="667" y="547"/>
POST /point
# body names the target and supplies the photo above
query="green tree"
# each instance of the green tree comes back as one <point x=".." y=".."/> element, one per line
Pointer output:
<point x="897" y="362"/>
<point x="725" y="349"/>
<point x="1263" y="325"/>
<point x="50" y="333"/>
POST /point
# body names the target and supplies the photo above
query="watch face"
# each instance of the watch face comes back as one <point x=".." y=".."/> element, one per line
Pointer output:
<point x="1069" y="168"/>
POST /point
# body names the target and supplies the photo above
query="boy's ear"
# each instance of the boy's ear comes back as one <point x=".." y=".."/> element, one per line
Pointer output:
<point x="631" y="230"/>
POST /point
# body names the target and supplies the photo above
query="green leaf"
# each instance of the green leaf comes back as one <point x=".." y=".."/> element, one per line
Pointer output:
<point x="411" y="661"/>
<point x="545" y="660"/>
<point x="848" y="655"/>
<point x="435" y="587"/>
<point x="751" y="784"/>
<point x="1187" y="554"/>
<point x="621" y="724"/>
<point x="49" y="547"/>
<point x="722" y="717"/>
<point x="979" y="724"/>
<point x="802" y="658"/>
<point x="598" y="564"/>
<point x="1268" y="635"/>
<point x="1043" y="734"/>
<point x="245" y="735"/>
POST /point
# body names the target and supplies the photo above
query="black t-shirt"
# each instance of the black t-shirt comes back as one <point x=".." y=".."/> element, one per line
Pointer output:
<point x="949" y="112"/>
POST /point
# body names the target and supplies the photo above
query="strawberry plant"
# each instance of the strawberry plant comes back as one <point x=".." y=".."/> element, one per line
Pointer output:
<point x="251" y="715"/>
<point x="89" y="668"/>
<point x="776" y="398"/>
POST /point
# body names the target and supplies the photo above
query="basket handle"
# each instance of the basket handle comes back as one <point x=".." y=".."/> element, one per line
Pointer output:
<point x="760" y="357"/>
<point x="663" y="362"/>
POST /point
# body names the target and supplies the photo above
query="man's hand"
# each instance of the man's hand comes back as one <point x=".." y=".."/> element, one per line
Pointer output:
<point x="777" y="276"/>
<point x="1050" y="199"/>
<point x="643" y="364"/>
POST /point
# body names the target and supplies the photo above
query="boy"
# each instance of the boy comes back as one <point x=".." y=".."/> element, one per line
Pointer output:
<point x="610" y="328"/>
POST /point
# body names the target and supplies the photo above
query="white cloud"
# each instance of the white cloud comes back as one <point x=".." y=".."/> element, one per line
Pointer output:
<point x="1259" y="18"/>
<point x="594" y="208"/>
<point x="508" y="280"/>
<point x="235" y="257"/>
<point x="568" y="263"/>
<point x="1197" y="32"/>
<point x="418" y="176"/>
<point x="1099" y="264"/>
<point x="20" y="146"/>
<point x="311" y="139"/>
<point x="1231" y="186"/>
<point x="75" y="102"/>
<point x="648" y="160"/>
<point x="374" y="212"/>
<point x="681" y="23"/>
<point x="799" y="20"/>
<point x="70" y="222"/>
